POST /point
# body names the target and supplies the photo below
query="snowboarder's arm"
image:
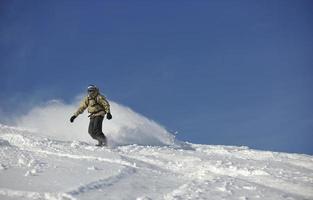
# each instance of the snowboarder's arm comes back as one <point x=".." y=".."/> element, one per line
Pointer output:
<point x="104" y="103"/>
<point x="83" y="105"/>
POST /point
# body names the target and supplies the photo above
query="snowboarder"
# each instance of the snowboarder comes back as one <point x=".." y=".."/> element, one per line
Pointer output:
<point x="98" y="107"/>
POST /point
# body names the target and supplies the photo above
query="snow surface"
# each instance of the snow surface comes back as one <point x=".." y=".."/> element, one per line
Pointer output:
<point x="51" y="158"/>
<point x="38" y="167"/>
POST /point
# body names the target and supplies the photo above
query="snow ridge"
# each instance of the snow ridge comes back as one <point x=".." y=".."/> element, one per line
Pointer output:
<point x="38" y="167"/>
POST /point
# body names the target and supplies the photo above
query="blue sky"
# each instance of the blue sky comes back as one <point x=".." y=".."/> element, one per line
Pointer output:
<point x="218" y="72"/>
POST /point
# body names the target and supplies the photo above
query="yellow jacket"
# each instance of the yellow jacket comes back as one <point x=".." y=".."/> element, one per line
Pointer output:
<point x="96" y="106"/>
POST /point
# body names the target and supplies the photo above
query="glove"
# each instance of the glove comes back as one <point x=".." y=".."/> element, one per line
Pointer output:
<point x="109" y="116"/>
<point x="72" y="118"/>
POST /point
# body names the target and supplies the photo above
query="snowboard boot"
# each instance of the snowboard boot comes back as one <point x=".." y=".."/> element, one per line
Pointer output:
<point x="100" y="144"/>
<point x="102" y="141"/>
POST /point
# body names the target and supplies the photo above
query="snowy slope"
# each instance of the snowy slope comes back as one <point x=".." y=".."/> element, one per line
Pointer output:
<point x="37" y="167"/>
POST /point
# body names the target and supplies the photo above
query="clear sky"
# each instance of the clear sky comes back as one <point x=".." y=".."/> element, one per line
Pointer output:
<point x="218" y="72"/>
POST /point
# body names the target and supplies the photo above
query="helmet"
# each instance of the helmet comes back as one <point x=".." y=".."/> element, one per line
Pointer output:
<point x="92" y="88"/>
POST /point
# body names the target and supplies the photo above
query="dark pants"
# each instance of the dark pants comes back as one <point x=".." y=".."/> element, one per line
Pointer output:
<point x="95" y="129"/>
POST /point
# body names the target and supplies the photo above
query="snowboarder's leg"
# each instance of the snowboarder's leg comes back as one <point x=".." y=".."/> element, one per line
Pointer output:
<point x="95" y="130"/>
<point x="91" y="127"/>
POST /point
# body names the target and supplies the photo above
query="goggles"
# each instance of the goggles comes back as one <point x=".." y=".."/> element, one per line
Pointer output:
<point x="91" y="90"/>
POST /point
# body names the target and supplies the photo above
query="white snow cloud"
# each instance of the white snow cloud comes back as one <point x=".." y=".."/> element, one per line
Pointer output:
<point x="126" y="127"/>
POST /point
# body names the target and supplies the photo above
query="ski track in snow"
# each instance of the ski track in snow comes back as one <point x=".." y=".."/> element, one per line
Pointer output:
<point x="95" y="185"/>
<point x="33" y="167"/>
